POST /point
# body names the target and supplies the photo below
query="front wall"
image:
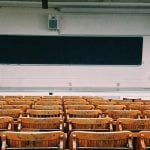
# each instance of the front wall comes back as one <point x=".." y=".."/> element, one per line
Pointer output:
<point x="27" y="21"/>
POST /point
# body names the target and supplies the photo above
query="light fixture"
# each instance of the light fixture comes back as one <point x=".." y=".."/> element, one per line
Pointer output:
<point x="105" y="10"/>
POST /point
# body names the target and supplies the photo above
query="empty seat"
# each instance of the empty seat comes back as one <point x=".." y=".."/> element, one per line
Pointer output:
<point x="30" y="99"/>
<point x="135" y="106"/>
<point x="47" y="107"/>
<point x="6" y="123"/>
<point x="101" y="140"/>
<point x="14" y="97"/>
<point x="103" y="102"/>
<point x="76" y="102"/>
<point x="33" y="140"/>
<point x="90" y="124"/>
<point x="71" y="97"/>
<point x="14" y="113"/>
<point x="40" y="124"/>
<point x="84" y="113"/>
<point x="133" y="125"/>
<point x="47" y="102"/>
<point x="139" y="107"/>
<point x="145" y="107"/>
<point x="92" y="97"/>
<point x="3" y="102"/>
<point x="111" y="107"/>
<point x="52" y="97"/>
<point x="128" y="103"/>
<point x="22" y="107"/>
<point x="146" y="102"/>
<point x="143" y="140"/>
<point x="35" y="97"/>
<point x="146" y="114"/>
<point x="19" y="102"/>
<point x="79" y="107"/>
<point x="115" y="114"/>
<point x="44" y="113"/>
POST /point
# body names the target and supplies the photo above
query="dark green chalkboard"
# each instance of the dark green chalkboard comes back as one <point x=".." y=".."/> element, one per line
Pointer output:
<point x="72" y="50"/>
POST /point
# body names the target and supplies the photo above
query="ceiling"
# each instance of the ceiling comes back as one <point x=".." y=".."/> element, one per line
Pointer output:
<point x="139" y="5"/>
<point x="112" y="1"/>
<point x="100" y="1"/>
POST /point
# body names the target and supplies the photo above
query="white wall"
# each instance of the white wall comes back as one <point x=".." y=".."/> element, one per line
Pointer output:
<point x="33" y="21"/>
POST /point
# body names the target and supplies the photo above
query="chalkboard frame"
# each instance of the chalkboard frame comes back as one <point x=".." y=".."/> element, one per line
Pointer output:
<point x="66" y="50"/>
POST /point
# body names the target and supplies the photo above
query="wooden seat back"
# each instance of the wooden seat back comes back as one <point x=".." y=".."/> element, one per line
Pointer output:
<point x="84" y="113"/>
<point x="146" y="114"/>
<point x="135" y="106"/>
<point x="103" y="102"/>
<point x="145" y="107"/>
<point x="100" y="140"/>
<point x="47" y="102"/>
<point x="79" y="107"/>
<point x="134" y="125"/>
<point x="92" y="97"/>
<point x="103" y="108"/>
<point x="14" y="113"/>
<point x="44" y="113"/>
<point x="115" y="114"/>
<point x="146" y="102"/>
<point x="22" y="107"/>
<point x="143" y="140"/>
<point x="71" y="97"/>
<point x="34" y="140"/>
<point x="35" y="97"/>
<point x="30" y="99"/>
<point x="6" y="123"/>
<point x="128" y="103"/>
<point x="3" y="102"/>
<point x="91" y="124"/>
<point x="96" y="100"/>
<point x="139" y="107"/>
<point x="13" y="97"/>
<point x="20" y="102"/>
<point x="40" y="124"/>
<point x="47" y="107"/>
<point x="76" y="102"/>
<point x="52" y="97"/>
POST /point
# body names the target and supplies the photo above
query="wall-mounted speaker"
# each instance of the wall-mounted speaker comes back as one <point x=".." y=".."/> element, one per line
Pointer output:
<point x="53" y="22"/>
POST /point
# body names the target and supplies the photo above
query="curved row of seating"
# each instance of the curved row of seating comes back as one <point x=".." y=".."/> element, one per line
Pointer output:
<point x="74" y="122"/>
<point x="77" y="140"/>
